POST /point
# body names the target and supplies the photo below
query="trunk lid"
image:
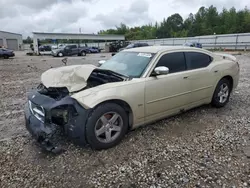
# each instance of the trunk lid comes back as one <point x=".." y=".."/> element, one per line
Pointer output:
<point x="226" y="56"/>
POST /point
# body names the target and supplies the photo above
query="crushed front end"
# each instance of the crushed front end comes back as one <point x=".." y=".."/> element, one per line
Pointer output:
<point x="50" y="113"/>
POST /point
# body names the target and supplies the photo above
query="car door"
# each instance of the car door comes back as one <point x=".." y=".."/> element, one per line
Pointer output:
<point x="200" y="75"/>
<point x="74" y="50"/>
<point x="67" y="50"/>
<point x="167" y="94"/>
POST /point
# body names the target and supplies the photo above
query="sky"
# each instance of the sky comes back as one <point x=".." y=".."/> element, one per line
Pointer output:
<point x="26" y="16"/>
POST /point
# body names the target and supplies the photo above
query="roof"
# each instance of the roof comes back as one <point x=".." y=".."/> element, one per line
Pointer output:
<point x="77" y="36"/>
<point x="10" y="33"/>
<point x="85" y="34"/>
<point x="156" y="49"/>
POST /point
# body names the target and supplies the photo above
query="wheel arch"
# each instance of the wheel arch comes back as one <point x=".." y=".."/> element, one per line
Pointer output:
<point x="230" y="79"/>
<point x="125" y="106"/>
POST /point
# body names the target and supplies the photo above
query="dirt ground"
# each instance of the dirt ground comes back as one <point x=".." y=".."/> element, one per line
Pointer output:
<point x="205" y="147"/>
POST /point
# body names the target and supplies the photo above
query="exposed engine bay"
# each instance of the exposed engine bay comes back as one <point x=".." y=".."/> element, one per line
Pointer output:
<point x="96" y="78"/>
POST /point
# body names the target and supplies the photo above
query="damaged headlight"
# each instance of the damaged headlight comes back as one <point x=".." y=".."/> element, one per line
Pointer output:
<point x="37" y="111"/>
<point x="61" y="115"/>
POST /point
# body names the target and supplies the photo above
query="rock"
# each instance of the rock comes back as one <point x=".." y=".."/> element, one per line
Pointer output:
<point x="185" y="180"/>
<point x="246" y="151"/>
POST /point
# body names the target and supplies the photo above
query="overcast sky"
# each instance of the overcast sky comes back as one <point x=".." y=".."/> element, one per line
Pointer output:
<point x="25" y="16"/>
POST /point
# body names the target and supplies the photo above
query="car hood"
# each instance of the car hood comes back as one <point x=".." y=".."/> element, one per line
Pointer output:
<point x="73" y="77"/>
<point x="8" y="50"/>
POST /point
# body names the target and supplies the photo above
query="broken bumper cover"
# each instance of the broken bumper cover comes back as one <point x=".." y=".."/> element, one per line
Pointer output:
<point x="48" y="133"/>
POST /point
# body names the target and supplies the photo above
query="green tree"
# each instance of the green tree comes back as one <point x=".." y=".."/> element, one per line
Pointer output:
<point x="28" y="40"/>
<point x="206" y="21"/>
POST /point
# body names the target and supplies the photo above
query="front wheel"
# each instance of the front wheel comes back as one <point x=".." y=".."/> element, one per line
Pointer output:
<point x="60" y="54"/>
<point x="6" y="57"/>
<point x="222" y="93"/>
<point x="106" y="126"/>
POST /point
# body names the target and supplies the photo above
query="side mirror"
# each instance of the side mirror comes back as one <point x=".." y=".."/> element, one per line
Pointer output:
<point x="101" y="62"/>
<point x="161" y="70"/>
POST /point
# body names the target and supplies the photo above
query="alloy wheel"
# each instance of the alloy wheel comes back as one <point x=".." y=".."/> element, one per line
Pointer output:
<point x="223" y="93"/>
<point x="108" y="127"/>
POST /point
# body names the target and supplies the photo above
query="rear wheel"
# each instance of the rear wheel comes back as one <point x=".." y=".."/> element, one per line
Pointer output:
<point x="106" y="126"/>
<point x="222" y="93"/>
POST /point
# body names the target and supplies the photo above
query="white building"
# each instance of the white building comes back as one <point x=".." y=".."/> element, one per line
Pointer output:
<point x="11" y="41"/>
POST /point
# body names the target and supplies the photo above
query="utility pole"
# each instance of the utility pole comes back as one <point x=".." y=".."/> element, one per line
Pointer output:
<point x="79" y="40"/>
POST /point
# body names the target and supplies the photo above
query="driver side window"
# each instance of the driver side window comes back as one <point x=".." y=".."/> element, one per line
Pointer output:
<point x="174" y="61"/>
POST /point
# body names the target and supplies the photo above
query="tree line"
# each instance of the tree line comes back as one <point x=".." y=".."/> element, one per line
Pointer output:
<point x="207" y="21"/>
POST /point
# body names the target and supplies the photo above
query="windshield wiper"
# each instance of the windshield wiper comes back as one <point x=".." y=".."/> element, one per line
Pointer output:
<point x="123" y="76"/>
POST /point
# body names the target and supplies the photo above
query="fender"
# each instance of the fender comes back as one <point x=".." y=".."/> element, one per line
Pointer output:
<point x="131" y="92"/>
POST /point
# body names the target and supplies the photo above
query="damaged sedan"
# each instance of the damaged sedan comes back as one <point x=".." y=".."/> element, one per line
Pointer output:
<point x="96" y="106"/>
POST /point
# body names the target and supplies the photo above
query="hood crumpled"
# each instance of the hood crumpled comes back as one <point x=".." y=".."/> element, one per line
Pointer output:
<point x="73" y="77"/>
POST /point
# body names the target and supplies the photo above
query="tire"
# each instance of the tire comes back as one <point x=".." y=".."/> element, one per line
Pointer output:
<point x="95" y="124"/>
<point x="60" y="54"/>
<point x="83" y="53"/>
<point x="5" y="56"/>
<point x="220" y="96"/>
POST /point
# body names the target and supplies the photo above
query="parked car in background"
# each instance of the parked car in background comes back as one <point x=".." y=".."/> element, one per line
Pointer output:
<point x="45" y="50"/>
<point x="116" y="45"/>
<point x="96" y="106"/>
<point x="193" y="44"/>
<point x="93" y="50"/>
<point x="6" y="53"/>
<point x="134" y="45"/>
<point x="69" y="50"/>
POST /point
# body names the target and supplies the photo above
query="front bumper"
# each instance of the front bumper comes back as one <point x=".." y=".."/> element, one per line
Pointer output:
<point x="48" y="134"/>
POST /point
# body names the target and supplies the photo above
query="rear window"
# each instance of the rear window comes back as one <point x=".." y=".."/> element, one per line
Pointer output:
<point x="196" y="60"/>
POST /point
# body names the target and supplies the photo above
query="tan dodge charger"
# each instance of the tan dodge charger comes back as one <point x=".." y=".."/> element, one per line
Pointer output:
<point x="96" y="106"/>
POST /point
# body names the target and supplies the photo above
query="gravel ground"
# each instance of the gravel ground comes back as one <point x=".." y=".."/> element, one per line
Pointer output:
<point x="205" y="147"/>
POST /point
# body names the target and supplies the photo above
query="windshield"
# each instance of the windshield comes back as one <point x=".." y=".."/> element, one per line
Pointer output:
<point x="131" y="64"/>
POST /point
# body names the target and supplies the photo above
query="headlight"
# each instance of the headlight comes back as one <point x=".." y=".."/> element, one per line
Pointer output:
<point x="37" y="111"/>
<point x="60" y="116"/>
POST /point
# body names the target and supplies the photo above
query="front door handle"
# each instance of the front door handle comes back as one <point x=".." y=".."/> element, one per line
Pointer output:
<point x="185" y="77"/>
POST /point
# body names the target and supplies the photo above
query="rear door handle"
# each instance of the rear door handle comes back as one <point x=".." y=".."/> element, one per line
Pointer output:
<point x="216" y="71"/>
<point x="185" y="77"/>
